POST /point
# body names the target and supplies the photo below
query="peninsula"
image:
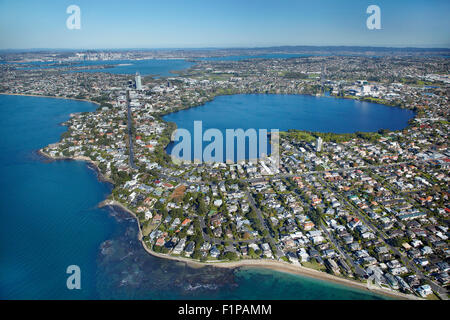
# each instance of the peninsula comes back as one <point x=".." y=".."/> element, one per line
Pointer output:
<point x="367" y="209"/>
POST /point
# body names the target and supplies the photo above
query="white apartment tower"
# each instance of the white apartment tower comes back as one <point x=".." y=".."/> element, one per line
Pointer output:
<point x="138" y="81"/>
<point x="319" y="143"/>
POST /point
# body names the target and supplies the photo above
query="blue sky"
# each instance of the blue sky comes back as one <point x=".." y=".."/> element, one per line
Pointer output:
<point x="222" y="23"/>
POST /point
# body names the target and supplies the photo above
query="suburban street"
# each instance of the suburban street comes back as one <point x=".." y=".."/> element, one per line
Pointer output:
<point x="437" y="288"/>
<point x="130" y="133"/>
<point x="358" y="270"/>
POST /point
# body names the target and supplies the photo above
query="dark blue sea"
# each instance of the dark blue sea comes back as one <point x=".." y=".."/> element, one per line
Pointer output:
<point x="49" y="220"/>
<point x="283" y="112"/>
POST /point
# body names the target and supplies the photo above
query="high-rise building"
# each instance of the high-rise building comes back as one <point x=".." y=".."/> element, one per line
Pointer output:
<point x="138" y="81"/>
<point x="319" y="143"/>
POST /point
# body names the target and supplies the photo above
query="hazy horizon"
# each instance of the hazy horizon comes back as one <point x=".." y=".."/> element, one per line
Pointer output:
<point x="272" y="48"/>
<point x="235" y="24"/>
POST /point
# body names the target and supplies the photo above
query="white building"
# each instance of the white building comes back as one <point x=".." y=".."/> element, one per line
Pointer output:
<point x="319" y="143"/>
<point x="424" y="290"/>
<point x="138" y="81"/>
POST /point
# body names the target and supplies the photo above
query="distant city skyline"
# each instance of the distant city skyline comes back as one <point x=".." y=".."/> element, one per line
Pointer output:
<point x="212" y="24"/>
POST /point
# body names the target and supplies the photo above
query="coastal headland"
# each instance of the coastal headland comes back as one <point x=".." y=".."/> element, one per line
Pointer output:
<point x="275" y="265"/>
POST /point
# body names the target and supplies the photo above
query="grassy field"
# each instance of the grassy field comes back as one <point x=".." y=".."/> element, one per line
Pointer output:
<point x="148" y="228"/>
<point x="314" y="265"/>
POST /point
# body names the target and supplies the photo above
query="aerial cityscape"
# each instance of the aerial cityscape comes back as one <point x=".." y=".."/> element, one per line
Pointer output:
<point x="207" y="171"/>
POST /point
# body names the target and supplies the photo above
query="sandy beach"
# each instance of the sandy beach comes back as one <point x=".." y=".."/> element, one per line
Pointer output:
<point x="275" y="265"/>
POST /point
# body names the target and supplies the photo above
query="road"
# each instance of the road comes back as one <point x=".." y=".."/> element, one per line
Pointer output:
<point x="206" y="237"/>
<point x="130" y="133"/>
<point x="251" y="200"/>
<point x="290" y="175"/>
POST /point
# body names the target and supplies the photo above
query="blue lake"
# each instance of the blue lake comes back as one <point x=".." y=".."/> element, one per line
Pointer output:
<point x="284" y="112"/>
<point x="49" y="220"/>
